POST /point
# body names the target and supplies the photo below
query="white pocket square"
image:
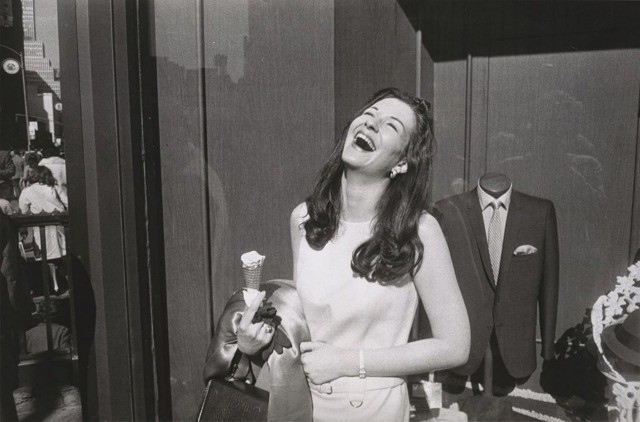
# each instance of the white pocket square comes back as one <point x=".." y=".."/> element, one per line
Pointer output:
<point x="525" y="250"/>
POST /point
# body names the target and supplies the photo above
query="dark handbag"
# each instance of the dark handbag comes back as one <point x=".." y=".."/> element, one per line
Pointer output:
<point x="228" y="399"/>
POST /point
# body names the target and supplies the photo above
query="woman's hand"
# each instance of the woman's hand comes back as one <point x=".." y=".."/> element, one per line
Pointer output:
<point x="323" y="362"/>
<point x="252" y="338"/>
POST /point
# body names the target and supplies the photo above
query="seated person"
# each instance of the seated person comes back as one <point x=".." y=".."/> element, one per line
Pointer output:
<point x="36" y="337"/>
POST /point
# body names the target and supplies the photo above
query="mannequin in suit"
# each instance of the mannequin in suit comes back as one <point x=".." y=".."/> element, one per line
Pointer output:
<point x="495" y="184"/>
<point x="502" y="310"/>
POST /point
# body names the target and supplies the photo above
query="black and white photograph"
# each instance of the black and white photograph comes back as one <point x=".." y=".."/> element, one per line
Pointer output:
<point x="320" y="210"/>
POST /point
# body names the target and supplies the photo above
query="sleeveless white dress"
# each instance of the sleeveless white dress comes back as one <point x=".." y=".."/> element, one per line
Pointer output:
<point x="348" y="311"/>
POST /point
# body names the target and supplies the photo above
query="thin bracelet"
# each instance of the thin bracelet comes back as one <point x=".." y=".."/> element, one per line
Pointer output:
<point x="362" y="373"/>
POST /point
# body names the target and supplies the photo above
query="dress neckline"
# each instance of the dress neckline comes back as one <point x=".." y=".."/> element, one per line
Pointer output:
<point x="356" y="222"/>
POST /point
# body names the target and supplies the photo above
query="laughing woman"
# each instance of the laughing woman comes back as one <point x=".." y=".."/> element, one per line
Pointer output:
<point x="364" y="251"/>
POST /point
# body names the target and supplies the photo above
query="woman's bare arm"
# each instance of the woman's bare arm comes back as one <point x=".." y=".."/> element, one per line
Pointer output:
<point x="437" y="286"/>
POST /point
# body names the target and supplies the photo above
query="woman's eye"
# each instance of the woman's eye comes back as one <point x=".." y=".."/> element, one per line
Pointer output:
<point x="392" y="126"/>
<point x="367" y="113"/>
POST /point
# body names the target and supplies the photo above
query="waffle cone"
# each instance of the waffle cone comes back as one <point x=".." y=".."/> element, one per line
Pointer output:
<point x="252" y="276"/>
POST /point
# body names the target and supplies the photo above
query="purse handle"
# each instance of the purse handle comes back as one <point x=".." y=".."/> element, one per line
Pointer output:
<point x="59" y="199"/>
<point x="233" y="366"/>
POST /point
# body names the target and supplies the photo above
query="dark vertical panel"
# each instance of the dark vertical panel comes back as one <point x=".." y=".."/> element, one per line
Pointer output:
<point x="116" y="201"/>
<point x="478" y="73"/>
<point x="443" y="32"/>
<point x="124" y="67"/>
<point x="100" y="362"/>
<point x="106" y="140"/>
<point x="157" y="359"/>
<point x="374" y="48"/>
<point x="634" y="244"/>
<point x="77" y="241"/>
<point x="562" y="128"/>
<point x="425" y="79"/>
<point x="110" y="286"/>
<point x="135" y="213"/>
<point x="427" y="74"/>
<point x="183" y="200"/>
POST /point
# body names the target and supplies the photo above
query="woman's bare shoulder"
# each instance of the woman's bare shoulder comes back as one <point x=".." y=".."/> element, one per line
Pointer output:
<point x="428" y="222"/>
<point x="429" y="229"/>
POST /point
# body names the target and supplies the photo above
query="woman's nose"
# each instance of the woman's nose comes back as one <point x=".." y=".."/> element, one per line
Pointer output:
<point x="370" y="123"/>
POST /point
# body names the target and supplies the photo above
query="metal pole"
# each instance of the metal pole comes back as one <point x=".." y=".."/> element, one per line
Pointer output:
<point x="24" y="92"/>
<point x="26" y="107"/>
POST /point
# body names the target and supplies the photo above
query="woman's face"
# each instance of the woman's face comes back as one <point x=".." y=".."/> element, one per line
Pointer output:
<point x="375" y="140"/>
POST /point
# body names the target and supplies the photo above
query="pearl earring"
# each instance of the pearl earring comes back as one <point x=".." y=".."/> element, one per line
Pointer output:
<point x="399" y="169"/>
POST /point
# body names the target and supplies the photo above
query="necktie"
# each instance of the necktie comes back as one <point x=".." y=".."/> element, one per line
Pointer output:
<point x="495" y="239"/>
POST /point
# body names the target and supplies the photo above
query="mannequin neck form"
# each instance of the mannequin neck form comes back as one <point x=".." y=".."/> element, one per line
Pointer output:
<point x="495" y="184"/>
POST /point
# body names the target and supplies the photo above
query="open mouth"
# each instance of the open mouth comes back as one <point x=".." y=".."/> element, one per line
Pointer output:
<point x="364" y="143"/>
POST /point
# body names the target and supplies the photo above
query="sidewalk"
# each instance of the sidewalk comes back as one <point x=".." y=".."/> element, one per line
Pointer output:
<point x="60" y="403"/>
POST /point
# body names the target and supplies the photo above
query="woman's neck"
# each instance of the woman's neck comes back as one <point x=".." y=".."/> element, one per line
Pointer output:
<point x="360" y="196"/>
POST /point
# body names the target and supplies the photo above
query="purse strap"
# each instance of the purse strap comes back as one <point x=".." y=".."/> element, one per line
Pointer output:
<point x="204" y="401"/>
<point x="233" y="366"/>
<point x="59" y="199"/>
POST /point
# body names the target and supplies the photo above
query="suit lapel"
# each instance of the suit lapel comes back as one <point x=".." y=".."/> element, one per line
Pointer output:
<point x="514" y="217"/>
<point x="474" y="214"/>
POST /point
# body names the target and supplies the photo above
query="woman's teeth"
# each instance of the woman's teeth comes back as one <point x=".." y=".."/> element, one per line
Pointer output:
<point x="364" y="143"/>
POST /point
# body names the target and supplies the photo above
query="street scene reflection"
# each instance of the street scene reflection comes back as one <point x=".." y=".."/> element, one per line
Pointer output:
<point x="33" y="195"/>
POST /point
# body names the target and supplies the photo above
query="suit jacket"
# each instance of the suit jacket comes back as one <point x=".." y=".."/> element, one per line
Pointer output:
<point x="525" y="282"/>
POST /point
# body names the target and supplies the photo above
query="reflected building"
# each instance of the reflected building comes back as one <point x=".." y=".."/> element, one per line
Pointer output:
<point x="43" y="82"/>
<point x="40" y="73"/>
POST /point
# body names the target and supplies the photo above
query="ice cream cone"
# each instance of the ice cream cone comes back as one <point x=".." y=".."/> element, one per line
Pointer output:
<point x="252" y="269"/>
<point x="252" y="276"/>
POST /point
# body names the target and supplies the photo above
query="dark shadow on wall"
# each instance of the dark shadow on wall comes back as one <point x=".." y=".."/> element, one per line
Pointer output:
<point x="85" y="309"/>
<point x="453" y="29"/>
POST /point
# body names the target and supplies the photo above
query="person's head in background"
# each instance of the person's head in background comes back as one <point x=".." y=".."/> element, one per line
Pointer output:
<point x="49" y="152"/>
<point x="390" y="142"/>
<point x="41" y="175"/>
<point x="31" y="159"/>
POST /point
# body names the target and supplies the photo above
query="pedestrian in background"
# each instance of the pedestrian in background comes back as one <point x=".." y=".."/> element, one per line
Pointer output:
<point x="57" y="165"/>
<point x="16" y="306"/>
<point x="42" y="194"/>
<point x="7" y="170"/>
<point x="18" y="162"/>
<point x="31" y="160"/>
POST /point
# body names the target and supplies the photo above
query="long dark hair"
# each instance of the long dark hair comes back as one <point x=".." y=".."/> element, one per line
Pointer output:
<point x="41" y="174"/>
<point x="394" y="249"/>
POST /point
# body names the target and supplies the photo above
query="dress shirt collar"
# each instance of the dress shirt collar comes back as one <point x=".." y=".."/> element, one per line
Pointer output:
<point x="486" y="199"/>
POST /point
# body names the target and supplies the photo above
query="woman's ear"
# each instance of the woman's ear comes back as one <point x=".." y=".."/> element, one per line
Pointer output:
<point x="399" y="168"/>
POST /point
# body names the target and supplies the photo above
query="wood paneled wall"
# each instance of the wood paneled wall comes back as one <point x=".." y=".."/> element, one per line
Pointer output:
<point x="375" y="48"/>
<point x="527" y="90"/>
<point x="242" y="141"/>
<point x="573" y="140"/>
